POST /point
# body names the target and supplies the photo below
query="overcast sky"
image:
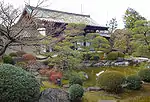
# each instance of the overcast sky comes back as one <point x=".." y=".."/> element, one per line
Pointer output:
<point x="100" y="10"/>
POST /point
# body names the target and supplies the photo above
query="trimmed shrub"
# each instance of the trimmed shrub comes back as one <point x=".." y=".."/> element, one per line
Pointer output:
<point x="17" y="85"/>
<point x="20" y="53"/>
<point x="8" y="59"/>
<point x="111" y="81"/>
<point x="144" y="74"/>
<point x="133" y="82"/>
<point x="112" y="56"/>
<point x="75" y="80"/>
<point x="76" y="92"/>
<point x="13" y="54"/>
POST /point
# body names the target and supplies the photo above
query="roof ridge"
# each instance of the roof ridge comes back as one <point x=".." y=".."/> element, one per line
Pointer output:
<point x="58" y="11"/>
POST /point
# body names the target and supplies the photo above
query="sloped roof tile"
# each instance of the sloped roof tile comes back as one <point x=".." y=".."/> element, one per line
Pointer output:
<point x="60" y="16"/>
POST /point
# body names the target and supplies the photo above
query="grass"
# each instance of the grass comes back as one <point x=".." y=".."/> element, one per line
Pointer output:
<point x="47" y="84"/>
<point x="127" y="96"/>
<point x="96" y="96"/>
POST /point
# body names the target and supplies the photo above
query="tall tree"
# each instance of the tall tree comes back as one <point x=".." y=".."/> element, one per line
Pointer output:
<point x="121" y="40"/>
<point x="141" y="38"/>
<point x="112" y="25"/>
<point x="66" y="55"/>
<point x="130" y="17"/>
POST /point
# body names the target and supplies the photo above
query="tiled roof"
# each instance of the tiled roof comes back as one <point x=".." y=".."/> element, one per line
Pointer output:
<point x="60" y="16"/>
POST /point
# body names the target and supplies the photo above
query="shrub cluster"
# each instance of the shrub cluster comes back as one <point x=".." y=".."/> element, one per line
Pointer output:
<point x="8" y="59"/>
<point x="144" y="74"/>
<point x="93" y="56"/>
<point x="133" y="82"/>
<point x="75" y="80"/>
<point x="75" y="92"/>
<point x="111" y="81"/>
<point x="114" y="55"/>
<point x="87" y="56"/>
<point x="17" y="85"/>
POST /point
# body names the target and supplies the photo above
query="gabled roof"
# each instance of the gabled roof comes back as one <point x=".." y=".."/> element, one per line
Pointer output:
<point x="60" y="16"/>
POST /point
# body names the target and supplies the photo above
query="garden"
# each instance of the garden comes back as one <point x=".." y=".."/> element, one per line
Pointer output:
<point x="75" y="64"/>
<point x="22" y="71"/>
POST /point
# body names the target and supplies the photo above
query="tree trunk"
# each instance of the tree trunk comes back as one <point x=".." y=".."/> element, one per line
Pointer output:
<point x="3" y="50"/>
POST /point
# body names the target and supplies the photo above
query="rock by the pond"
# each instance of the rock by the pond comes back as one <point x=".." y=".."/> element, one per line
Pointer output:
<point x="54" y="95"/>
<point x="107" y="101"/>
<point x="94" y="89"/>
<point x="66" y="86"/>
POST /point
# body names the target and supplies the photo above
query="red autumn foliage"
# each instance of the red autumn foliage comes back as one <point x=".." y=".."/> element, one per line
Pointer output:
<point x="54" y="75"/>
<point x="29" y="57"/>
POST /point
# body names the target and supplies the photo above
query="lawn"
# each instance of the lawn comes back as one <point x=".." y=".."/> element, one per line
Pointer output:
<point x="127" y="96"/>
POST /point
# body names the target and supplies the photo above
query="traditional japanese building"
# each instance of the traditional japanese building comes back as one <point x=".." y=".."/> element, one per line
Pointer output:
<point x="46" y="21"/>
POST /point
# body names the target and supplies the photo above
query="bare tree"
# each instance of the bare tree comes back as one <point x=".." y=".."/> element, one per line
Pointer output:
<point x="13" y="31"/>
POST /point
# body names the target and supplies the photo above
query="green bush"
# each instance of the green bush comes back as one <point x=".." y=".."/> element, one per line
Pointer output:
<point x="133" y="82"/>
<point x="17" y="85"/>
<point x="13" y="54"/>
<point x="144" y="75"/>
<point x="8" y="59"/>
<point x="120" y="54"/>
<point x="67" y="74"/>
<point x="111" y="81"/>
<point x="76" y="92"/>
<point x="114" y="55"/>
<point x="87" y="56"/>
<point x="75" y="80"/>
<point x="95" y="57"/>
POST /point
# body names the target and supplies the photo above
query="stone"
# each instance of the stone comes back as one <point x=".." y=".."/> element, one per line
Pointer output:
<point x="97" y="74"/>
<point x="54" y="95"/>
<point x="66" y="86"/>
<point x="107" y="101"/>
<point x="123" y="63"/>
<point x="94" y="89"/>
